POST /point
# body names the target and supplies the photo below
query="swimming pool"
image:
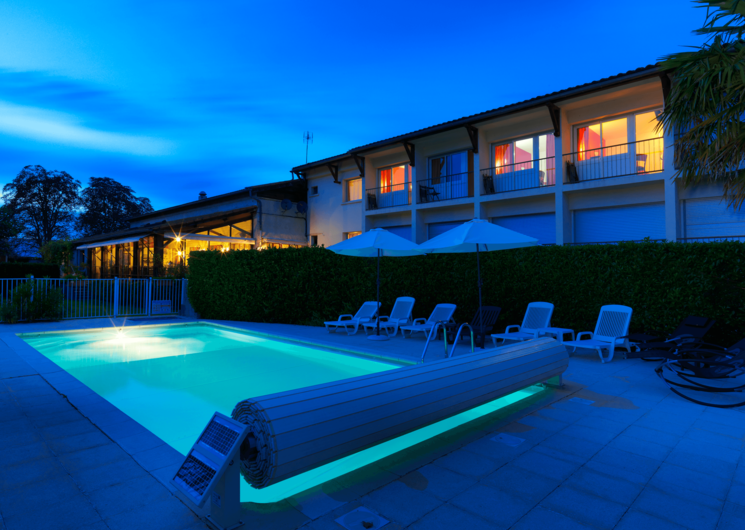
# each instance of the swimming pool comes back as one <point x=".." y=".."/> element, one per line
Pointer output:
<point x="172" y="378"/>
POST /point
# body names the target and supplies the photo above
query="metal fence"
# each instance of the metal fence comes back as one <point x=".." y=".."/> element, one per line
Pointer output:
<point x="537" y="173"/>
<point x="116" y="297"/>
<point x="388" y="196"/>
<point x="445" y="187"/>
<point x="633" y="158"/>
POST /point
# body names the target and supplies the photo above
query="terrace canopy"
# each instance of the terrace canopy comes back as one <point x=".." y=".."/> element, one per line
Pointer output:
<point x="110" y="242"/>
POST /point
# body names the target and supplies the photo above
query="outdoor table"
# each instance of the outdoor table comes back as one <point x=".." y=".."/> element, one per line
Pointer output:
<point x="557" y="333"/>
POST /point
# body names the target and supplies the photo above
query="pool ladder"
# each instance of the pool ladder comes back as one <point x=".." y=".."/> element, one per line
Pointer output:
<point x="433" y="333"/>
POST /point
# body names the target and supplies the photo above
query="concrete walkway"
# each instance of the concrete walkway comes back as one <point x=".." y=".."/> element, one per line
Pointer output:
<point x="613" y="449"/>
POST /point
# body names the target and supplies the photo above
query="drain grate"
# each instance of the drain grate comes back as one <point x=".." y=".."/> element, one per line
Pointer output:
<point x="362" y="519"/>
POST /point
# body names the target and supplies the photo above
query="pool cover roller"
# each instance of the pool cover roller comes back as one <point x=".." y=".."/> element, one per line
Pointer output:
<point x="298" y="430"/>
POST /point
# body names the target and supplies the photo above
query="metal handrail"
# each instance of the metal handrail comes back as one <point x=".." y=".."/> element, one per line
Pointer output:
<point x="388" y="196"/>
<point x="457" y="336"/>
<point x="512" y="177"/>
<point x="429" y="337"/>
<point x="620" y="160"/>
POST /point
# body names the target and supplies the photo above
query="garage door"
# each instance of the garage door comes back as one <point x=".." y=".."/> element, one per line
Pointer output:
<point x="624" y="223"/>
<point x="711" y="217"/>
<point x="401" y="231"/>
<point x="435" y="229"/>
<point x="541" y="226"/>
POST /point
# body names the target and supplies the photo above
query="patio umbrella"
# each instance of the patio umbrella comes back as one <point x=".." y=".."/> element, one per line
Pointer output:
<point x="375" y="243"/>
<point x="476" y="236"/>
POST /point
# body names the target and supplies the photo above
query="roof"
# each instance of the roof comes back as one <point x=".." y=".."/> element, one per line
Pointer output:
<point x="651" y="70"/>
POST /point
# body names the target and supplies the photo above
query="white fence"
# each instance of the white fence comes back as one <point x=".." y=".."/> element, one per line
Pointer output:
<point x="116" y="297"/>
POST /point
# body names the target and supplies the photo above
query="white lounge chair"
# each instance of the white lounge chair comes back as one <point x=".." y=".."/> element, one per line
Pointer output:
<point x="400" y="316"/>
<point x="351" y="324"/>
<point x="537" y="316"/>
<point x="441" y="313"/>
<point x="613" y="324"/>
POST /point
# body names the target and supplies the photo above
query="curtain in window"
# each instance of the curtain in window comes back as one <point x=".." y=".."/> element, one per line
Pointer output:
<point x="385" y="181"/>
<point x="502" y="158"/>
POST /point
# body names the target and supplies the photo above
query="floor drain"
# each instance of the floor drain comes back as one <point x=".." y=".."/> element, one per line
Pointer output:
<point x="362" y="519"/>
<point x="581" y="401"/>
<point x="512" y="441"/>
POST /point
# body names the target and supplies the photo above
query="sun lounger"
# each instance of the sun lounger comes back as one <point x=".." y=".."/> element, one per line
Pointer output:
<point x="489" y="314"/>
<point x="350" y="323"/>
<point x="441" y="313"/>
<point x="537" y="316"/>
<point x="690" y="330"/>
<point x="400" y="316"/>
<point x="610" y="332"/>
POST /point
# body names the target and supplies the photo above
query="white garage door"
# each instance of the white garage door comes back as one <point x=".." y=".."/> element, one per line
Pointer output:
<point x="541" y="226"/>
<point x="401" y="231"/>
<point x="711" y="217"/>
<point x="623" y="223"/>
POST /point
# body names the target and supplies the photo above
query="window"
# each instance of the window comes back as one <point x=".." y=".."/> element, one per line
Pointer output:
<point x="314" y="190"/>
<point x="521" y="154"/>
<point x="354" y="189"/>
<point x="443" y="166"/>
<point x="350" y="235"/>
<point x="613" y="136"/>
<point x="313" y="241"/>
<point x="393" y="178"/>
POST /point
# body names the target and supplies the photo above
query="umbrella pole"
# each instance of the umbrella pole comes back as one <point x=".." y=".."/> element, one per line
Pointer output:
<point x="478" y="266"/>
<point x="377" y="335"/>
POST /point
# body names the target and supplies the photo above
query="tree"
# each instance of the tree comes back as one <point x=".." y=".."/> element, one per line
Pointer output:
<point x="108" y="206"/>
<point x="43" y="203"/>
<point x="8" y="230"/>
<point x="706" y="103"/>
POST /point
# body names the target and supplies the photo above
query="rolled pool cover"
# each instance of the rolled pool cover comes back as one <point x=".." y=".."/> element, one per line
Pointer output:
<point x="295" y="431"/>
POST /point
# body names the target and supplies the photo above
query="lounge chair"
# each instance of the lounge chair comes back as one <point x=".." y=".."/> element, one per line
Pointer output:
<point x="400" y="316"/>
<point x="441" y="313"/>
<point x="610" y="332"/>
<point x="351" y="324"/>
<point x="690" y="330"/>
<point x="537" y="316"/>
<point x="489" y="313"/>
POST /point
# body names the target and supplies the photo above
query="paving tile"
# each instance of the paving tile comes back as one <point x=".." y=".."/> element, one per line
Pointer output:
<point x="698" y="447"/>
<point x="438" y="481"/>
<point x="584" y="507"/>
<point x="567" y="416"/>
<point x="736" y="494"/>
<point x="14" y="437"/>
<point x="123" y="429"/>
<point x="167" y="514"/>
<point x="128" y="495"/>
<point x="70" y="444"/>
<point x="52" y="490"/>
<point x="548" y="424"/>
<point x="679" y="508"/>
<point x="24" y="453"/>
<point x="19" y="475"/>
<point x="602" y="424"/>
<point x="717" y="439"/>
<point x="521" y="483"/>
<point x="616" y="472"/>
<point x="692" y="480"/>
<point x="139" y="442"/>
<point x="161" y="456"/>
<point x="608" y="487"/>
<point x="567" y="444"/>
<point x="546" y="465"/>
<point x="640" y="447"/>
<point x="467" y="463"/>
<point x="683" y="457"/>
<point x="92" y="479"/>
<point x="448" y="517"/>
<point x="400" y="503"/>
<point x="652" y="435"/>
<point x="69" y="514"/>
<point x="314" y="503"/>
<point x="729" y="417"/>
<point x="496" y="506"/>
<point x="92" y="457"/>
<point x="733" y="517"/>
<point x="497" y="451"/>
<point x="634" y="520"/>
<point x="541" y="518"/>
<point x="348" y="487"/>
<point x="70" y="415"/>
<point x="667" y="427"/>
<point x="740" y="474"/>
<point x="63" y="430"/>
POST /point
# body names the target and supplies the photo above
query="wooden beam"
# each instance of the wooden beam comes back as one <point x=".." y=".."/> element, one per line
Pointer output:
<point x="334" y="172"/>
<point x="360" y="161"/>
<point x="473" y="134"/>
<point x="410" y="152"/>
<point x="555" y="113"/>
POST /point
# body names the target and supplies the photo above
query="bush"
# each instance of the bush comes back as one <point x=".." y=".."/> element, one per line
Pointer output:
<point x="662" y="283"/>
<point x="21" y="270"/>
<point x="32" y="302"/>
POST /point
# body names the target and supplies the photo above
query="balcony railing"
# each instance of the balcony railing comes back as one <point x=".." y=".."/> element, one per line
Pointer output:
<point x="634" y="158"/>
<point x="388" y="196"/>
<point x="519" y="176"/>
<point x="445" y="187"/>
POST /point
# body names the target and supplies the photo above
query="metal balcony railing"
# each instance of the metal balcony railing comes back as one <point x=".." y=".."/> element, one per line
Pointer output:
<point x="633" y="158"/>
<point x="388" y="196"/>
<point x="537" y="173"/>
<point x="445" y="187"/>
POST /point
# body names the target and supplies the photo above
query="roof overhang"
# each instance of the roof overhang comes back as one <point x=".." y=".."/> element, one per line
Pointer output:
<point x="215" y="239"/>
<point x="120" y="241"/>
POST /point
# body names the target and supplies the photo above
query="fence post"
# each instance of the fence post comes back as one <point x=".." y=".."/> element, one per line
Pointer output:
<point x="183" y="295"/>
<point x="116" y="296"/>
<point x="149" y="296"/>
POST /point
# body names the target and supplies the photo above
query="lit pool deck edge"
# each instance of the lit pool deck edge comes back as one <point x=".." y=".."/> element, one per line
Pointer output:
<point x="161" y="460"/>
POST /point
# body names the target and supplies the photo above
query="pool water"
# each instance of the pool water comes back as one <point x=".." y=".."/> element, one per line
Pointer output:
<point x="172" y="378"/>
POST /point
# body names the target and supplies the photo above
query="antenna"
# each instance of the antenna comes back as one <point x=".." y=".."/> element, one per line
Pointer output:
<point x="307" y="140"/>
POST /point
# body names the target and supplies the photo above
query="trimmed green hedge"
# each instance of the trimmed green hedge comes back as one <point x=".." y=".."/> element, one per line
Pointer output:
<point x="661" y="282"/>
<point x="20" y="270"/>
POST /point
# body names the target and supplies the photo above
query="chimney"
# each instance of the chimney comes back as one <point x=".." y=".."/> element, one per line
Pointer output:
<point x="202" y="195"/>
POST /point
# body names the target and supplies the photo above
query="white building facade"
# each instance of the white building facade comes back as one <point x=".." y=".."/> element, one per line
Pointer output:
<point x="582" y="165"/>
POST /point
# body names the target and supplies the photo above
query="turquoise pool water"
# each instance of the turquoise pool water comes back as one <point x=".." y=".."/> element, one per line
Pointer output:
<point x="172" y="378"/>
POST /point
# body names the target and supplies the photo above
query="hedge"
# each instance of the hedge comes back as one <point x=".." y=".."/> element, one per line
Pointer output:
<point x="662" y="282"/>
<point x="20" y="270"/>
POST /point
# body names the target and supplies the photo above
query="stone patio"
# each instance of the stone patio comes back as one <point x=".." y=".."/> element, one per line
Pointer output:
<point x="613" y="449"/>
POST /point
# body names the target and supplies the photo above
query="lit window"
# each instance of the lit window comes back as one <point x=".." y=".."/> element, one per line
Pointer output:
<point x="393" y="179"/>
<point x="354" y="190"/>
<point x="350" y="235"/>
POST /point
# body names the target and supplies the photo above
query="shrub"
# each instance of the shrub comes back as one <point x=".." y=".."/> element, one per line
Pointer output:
<point x="662" y="283"/>
<point x="33" y="301"/>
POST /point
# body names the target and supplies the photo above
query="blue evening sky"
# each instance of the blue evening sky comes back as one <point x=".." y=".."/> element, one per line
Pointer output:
<point x="176" y="97"/>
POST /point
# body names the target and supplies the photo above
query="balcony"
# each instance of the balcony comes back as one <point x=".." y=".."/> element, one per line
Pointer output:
<point x="634" y="158"/>
<point x="532" y="174"/>
<point x="388" y="196"/>
<point x="445" y="187"/>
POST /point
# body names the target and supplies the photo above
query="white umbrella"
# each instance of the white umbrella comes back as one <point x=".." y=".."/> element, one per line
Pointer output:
<point x="377" y="242"/>
<point x="475" y="236"/>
